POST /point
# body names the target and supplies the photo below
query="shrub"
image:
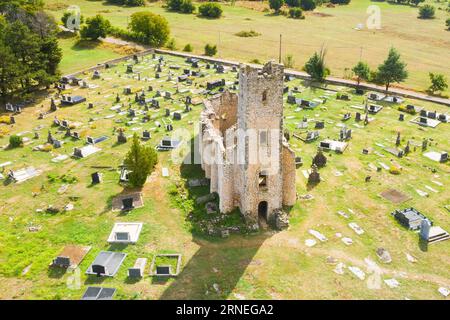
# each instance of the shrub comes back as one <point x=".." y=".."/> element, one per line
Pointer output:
<point x="316" y="67"/>
<point x="406" y="110"/>
<point x="394" y="170"/>
<point x="295" y="13"/>
<point x="184" y="6"/>
<point x="210" y="50"/>
<point x="149" y="28"/>
<point x="340" y="1"/>
<point x="426" y="12"/>
<point x="96" y="27"/>
<point x="438" y="82"/>
<point x="288" y="61"/>
<point x="447" y="23"/>
<point x="210" y="10"/>
<point x="141" y="161"/>
<point x="15" y="141"/>
<point x="171" y="45"/>
<point x="247" y="34"/>
<point x="307" y="5"/>
<point x="5" y="119"/>
<point x="188" y="48"/>
<point x="275" y="5"/>
<point x="292" y="3"/>
<point x="47" y="147"/>
<point x="187" y="6"/>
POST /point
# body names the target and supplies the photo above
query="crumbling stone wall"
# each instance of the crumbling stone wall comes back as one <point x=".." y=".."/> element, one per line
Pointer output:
<point x="259" y="106"/>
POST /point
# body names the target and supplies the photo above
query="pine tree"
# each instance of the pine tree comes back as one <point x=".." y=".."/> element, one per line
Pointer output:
<point x="392" y="69"/>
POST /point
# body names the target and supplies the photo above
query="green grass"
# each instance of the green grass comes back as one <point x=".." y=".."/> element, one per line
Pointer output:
<point x="420" y="42"/>
<point x="77" y="57"/>
<point x="266" y="265"/>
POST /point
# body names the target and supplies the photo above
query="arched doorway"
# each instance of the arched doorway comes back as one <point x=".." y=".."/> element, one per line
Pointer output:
<point x="262" y="211"/>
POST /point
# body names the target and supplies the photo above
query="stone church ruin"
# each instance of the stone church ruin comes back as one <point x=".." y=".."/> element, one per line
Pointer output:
<point x="243" y="150"/>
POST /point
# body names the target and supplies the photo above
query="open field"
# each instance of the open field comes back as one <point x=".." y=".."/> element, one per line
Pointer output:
<point x="266" y="265"/>
<point x="424" y="44"/>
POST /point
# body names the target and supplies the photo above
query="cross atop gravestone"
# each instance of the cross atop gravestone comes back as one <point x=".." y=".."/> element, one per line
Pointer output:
<point x="398" y="140"/>
<point x="50" y="138"/>
<point x="53" y="106"/>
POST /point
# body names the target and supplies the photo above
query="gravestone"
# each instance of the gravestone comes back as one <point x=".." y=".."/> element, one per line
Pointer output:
<point x="398" y="140"/>
<point x="96" y="177"/>
<point x="53" y="106"/>
<point x="401" y="117"/>
<point x="357" y="116"/>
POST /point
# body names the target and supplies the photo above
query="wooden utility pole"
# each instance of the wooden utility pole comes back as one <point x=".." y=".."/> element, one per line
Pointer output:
<point x="279" y="52"/>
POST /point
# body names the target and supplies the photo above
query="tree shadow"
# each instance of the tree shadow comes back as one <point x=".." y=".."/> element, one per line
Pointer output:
<point x="56" y="272"/>
<point x="215" y="269"/>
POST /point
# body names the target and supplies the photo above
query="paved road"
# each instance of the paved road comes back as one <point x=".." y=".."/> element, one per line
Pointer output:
<point x="300" y="74"/>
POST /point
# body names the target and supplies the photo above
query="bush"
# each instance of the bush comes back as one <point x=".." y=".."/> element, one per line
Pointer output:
<point x="447" y="23"/>
<point x="187" y="6"/>
<point x="340" y="1"/>
<point x="130" y="3"/>
<point x="210" y="10"/>
<point x="15" y="141"/>
<point x="184" y="6"/>
<point x="5" y="119"/>
<point x="406" y="110"/>
<point x="210" y="50"/>
<point x="275" y="5"/>
<point x="96" y="27"/>
<point x="188" y="48"/>
<point x="426" y="12"/>
<point x="296" y="13"/>
<point x="247" y="34"/>
<point x="307" y="5"/>
<point x="171" y="45"/>
<point x="288" y="61"/>
<point x="149" y="28"/>
<point x="292" y="3"/>
<point x="394" y="170"/>
<point x="47" y="147"/>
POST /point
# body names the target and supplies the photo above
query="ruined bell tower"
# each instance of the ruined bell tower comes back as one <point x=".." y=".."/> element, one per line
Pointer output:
<point x="244" y="152"/>
<point x="260" y="138"/>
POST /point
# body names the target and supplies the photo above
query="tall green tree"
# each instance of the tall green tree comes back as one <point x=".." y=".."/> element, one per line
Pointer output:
<point x="362" y="71"/>
<point x="316" y="67"/>
<point x="141" y="161"/>
<point x="392" y="70"/>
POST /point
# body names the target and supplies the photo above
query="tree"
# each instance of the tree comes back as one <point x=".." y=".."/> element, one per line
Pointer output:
<point x="392" y="69"/>
<point x="187" y="6"/>
<point x="96" y="27"/>
<point x="275" y="5"/>
<point x="188" y="48"/>
<point x="438" y="82"/>
<point x="362" y="71"/>
<point x="315" y="66"/>
<point x="307" y="5"/>
<point x="293" y="3"/>
<point x="140" y="161"/>
<point x="296" y="13"/>
<point x="416" y="2"/>
<point x="426" y="12"/>
<point x="210" y="50"/>
<point x="210" y="10"/>
<point x="447" y="23"/>
<point x="149" y="28"/>
<point x="340" y="1"/>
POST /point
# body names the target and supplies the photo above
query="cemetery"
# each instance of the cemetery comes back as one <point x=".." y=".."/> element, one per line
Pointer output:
<point x="111" y="232"/>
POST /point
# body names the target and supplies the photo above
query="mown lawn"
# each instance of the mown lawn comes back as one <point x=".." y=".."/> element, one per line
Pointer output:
<point x="267" y="265"/>
<point x="424" y="44"/>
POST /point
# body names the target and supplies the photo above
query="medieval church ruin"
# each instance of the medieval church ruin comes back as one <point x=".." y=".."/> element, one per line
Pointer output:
<point x="244" y="151"/>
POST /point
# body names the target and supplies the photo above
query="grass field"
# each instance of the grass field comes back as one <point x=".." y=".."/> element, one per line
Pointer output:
<point x="424" y="44"/>
<point x="267" y="265"/>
